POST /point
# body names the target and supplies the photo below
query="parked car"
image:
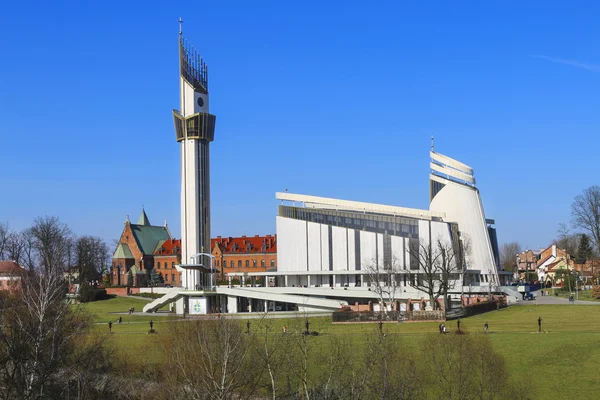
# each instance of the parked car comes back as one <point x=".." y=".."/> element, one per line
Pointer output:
<point x="528" y="296"/>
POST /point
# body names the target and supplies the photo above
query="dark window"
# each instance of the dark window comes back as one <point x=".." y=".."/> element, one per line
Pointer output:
<point x="239" y="263"/>
<point x="254" y="263"/>
<point x="262" y="263"/>
<point x="158" y="265"/>
<point x="247" y="263"/>
<point x="173" y="278"/>
<point x="173" y="265"/>
<point x="166" y="277"/>
<point x="272" y="263"/>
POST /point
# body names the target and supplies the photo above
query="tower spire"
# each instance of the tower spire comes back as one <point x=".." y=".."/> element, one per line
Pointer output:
<point x="432" y="144"/>
<point x="180" y="26"/>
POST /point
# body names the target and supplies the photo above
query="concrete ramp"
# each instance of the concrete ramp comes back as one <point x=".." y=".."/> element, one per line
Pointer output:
<point x="512" y="295"/>
<point x="171" y="296"/>
<point x="302" y="301"/>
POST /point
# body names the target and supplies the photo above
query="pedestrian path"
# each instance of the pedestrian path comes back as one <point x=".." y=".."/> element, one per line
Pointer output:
<point x="541" y="300"/>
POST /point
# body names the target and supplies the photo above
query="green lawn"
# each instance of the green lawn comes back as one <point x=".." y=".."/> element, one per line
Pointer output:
<point x="561" y="363"/>
<point x="583" y="295"/>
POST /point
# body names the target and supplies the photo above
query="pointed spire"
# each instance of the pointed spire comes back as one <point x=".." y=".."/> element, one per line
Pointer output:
<point x="143" y="220"/>
<point x="127" y="219"/>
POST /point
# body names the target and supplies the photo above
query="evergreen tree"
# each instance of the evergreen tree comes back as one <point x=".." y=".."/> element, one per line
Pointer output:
<point x="584" y="251"/>
<point x="155" y="278"/>
<point x="130" y="278"/>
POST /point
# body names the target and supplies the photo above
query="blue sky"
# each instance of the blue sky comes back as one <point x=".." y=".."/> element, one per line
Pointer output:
<point x="335" y="99"/>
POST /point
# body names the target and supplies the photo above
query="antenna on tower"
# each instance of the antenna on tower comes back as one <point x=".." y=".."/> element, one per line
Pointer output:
<point x="432" y="143"/>
<point x="180" y="26"/>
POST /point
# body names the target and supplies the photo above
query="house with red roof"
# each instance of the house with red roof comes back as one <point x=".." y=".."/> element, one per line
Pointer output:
<point x="244" y="254"/>
<point x="11" y="274"/>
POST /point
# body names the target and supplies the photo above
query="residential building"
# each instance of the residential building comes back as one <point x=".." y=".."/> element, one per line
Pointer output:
<point x="166" y="256"/>
<point x="244" y="254"/>
<point x="11" y="274"/>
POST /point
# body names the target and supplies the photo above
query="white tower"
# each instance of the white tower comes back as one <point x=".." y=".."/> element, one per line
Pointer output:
<point x="194" y="130"/>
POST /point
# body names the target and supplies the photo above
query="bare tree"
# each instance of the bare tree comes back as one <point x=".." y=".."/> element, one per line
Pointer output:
<point x="391" y="370"/>
<point x="566" y="240"/>
<point x="464" y="367"/>
<point x="383" y="278"/>
<point x="4" y="235"/>
<point x="508" y="255"/>
<point x="50" y="242"/>
<point x="211" y="360"/>
<point x="270" y="348"/>
<point x="92" y="256"/>
<point x="41" y="337"/>
<point x="15" y="247"/>
<point x="585" y="213"/>
<point x="440" y="266"/>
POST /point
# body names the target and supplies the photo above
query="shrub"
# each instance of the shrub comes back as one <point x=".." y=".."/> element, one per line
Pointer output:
<point x="596" y="292"/>
<point x="88" y="293"/>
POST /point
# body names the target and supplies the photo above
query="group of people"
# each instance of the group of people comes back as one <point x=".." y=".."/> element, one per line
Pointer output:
<point x="131" y="310"/>
<point x="443" y="328"/>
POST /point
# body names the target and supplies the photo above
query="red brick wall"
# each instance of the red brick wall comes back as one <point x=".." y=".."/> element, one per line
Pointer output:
<point x="117" y="291"/>
<point x="228" y="258"/>
<point x="167" y="270"/>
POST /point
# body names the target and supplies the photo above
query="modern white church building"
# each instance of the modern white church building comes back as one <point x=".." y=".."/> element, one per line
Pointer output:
<point x="327" y="248"/>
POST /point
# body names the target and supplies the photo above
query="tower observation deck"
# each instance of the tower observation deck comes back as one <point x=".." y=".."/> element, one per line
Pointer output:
<point x="194" y="130"/>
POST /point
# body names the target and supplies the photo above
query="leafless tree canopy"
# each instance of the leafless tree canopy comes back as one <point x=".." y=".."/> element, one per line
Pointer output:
<point x="92" y="255"/>
<point x="211" y="360"/>
<point x="4" y="235"/>
<point x="464" y="367"/>
<point x="585" y="212"/>
<point x="45" y="352"/>
<point x="440" y="266"/>
<point x="566" y="240"/>
<point x="508" y="255"/>
<point x="384" y="280"/>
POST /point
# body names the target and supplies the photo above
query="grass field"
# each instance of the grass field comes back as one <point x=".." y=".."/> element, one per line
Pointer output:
<point x="583" y="295"/>
<point x="557" y="364"/>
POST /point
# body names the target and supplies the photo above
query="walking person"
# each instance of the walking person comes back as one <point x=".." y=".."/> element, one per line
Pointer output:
<point x="540" y="325"/>
<point x="485" y="327"/>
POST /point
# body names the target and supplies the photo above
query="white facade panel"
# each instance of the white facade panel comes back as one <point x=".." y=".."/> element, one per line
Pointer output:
<point x="380" y="249"/>
<point x="424" y="232"/>
<point x="462" y="204"/>
<point x="314" y="246"/>
<point x="291" y="245"/>
<point x="398" y="251"/>
<point x="351" y="253"/>
<point x="340" y="248"/>
<point x="368" y="249"/>
<point x="441" y="231"/>
<point x="325" y="248"/>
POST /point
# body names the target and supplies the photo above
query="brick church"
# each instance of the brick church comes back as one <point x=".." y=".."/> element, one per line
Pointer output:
<point x="141" y="248"/>
<point x="144" y="246"/>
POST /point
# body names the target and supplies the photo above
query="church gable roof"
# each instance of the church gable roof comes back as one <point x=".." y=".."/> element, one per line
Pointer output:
<point x="122" y="251"/>
<point x="143" y="220"/>
<point x="147" y="236"/>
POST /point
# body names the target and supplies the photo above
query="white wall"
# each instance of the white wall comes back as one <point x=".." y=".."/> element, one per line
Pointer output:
<point x="351" y="253"/>
<point x="462" y="204"/>
<point x="324" y="247"/>
<point x="367" y="249"/>
<point x="340" y="248"/>
<point x="398" y="251"/>
<point x="314" y="246"/>
<point x="291" y="245"/>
